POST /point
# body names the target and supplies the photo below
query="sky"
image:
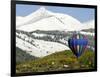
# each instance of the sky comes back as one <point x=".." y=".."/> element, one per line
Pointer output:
<point x="81" y="14"/>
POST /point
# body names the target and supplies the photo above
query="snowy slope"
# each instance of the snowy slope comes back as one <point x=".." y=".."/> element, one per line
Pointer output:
<point x="43" y="19"/>
<point x="89" y="24"/>
<point x="33" y="17"/>
<point x="87" y="33"/>
<point x="19" y="18"/>
<point x="41" y="48"/>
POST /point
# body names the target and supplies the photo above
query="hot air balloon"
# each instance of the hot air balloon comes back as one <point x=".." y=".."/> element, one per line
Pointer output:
<point x="78" y="44"/>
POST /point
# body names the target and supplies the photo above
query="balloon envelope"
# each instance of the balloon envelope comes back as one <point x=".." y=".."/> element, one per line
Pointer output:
<point x="78" y="44"/>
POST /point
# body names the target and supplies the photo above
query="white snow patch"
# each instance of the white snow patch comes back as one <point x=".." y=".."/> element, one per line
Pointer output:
<point x="40" y="35"/>
<point x="42" y="48"/>
<point x="87" y="33"/>
<point x="89" y="24"/>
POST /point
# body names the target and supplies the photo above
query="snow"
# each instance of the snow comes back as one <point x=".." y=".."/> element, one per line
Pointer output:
<point x="42" y="48"/>
<point x="33" y="17"/>
<point x="87" y="33"/>
<point x="64" y="41"/>
<point x="43" y="19"/>
<point x="89" y="24"/>
<point x="38" y="35"/>
<point x="19" y="18"/>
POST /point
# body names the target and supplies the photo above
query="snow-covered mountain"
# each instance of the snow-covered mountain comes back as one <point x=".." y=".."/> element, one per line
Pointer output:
<point x="43" y="19"/>
<point x="89" y="24"/>
<point x="39" y="46"/>
<point x="44" y="32"/>
<point x="88" y="28"/>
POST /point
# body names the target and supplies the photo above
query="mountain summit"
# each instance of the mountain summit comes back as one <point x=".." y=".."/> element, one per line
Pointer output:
<point x="42" y="19"/>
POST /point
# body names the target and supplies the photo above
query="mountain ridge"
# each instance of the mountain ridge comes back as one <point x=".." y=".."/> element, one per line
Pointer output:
<point x="49" y="34"/>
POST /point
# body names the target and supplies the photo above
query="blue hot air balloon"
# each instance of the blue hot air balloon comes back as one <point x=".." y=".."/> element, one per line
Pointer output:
<point x="78" y="44"/>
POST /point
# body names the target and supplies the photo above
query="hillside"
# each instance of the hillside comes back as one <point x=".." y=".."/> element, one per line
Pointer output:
<point x="42" y="43"/>
<point x="22" y="56"/>
<point x="64" y="60"/>
<point x="89" y="30"/>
